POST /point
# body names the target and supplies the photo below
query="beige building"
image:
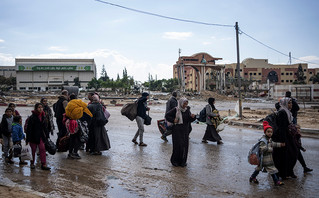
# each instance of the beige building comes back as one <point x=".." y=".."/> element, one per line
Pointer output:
<point x="260" y="70"/>
<point x="8" y="71"/>
<point x="52" y="74"/>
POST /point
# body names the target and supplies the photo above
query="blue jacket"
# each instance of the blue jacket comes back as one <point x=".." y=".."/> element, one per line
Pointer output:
<point x="17" y="132"/>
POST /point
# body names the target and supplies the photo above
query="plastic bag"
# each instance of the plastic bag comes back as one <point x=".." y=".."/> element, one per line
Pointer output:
<point x="26" y="153"/>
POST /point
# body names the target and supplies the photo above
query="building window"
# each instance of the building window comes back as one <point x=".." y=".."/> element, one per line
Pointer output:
<point x="287" y="80"/>
<point x="290" y="80"/>
<point x="287" y="74"/>
<point x="246" y="74"/>
<point x="304" y="70"/>
<point x="254" y="74"/>
<point x="310" y="72"/>
<point x="290" y="74"/>
<point x="22" y="88"/>
<point x="282" y="81"/>
<point x="282" y="74"/>
<point x="259" y="74"/>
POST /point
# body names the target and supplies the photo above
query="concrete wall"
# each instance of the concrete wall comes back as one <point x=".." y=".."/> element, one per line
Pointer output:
<point x="301" y="92"/>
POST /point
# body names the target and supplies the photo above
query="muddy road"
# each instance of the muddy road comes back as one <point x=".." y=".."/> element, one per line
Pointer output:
<point x="127" y="170"/>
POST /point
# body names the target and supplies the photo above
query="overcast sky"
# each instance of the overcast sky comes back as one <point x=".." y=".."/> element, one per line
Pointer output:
<point x="118" y="38"/>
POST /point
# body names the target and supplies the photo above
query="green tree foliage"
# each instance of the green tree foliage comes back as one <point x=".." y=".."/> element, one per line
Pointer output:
<point x="94" y="83"/>
<point x="315" y="79"/>
<point x="104" y="77"/>
<point x="7" y="83"/>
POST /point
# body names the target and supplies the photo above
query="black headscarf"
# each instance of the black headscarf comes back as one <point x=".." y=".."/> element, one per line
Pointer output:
<point x="211" y="102"/>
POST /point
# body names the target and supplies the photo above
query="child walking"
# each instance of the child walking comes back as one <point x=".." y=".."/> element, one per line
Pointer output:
<point x="5" y="135"/>
<point x="36" y="131"/>
<point x="267" y="161"/>
<point x="17" y="134"/>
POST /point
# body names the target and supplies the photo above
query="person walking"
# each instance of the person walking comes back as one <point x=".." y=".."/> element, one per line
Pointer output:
<point x="301" y="148"/>
<point x="59" y="110"/>
<point x="212" y="121"/>
<point x="285" y="158"/>
<point x="266" y="149"/>
<point x="36" y="135"/>
<point x="141" y="114"/>
<point x="182" y="118"/>
<point x="17" y="134"/>
<point x="49" y="115"/>
<point x="170" y="104"/>
<point x="5" y="135"/>
<point x="295" y="107"/>
<point x="98" y="138"/>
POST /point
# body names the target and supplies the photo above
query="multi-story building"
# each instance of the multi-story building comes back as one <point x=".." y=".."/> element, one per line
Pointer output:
<point x="195" y="71"/>
<point x="8" y="71"/>
<point x="52" y="74"/>
<point x="200" y="71"/>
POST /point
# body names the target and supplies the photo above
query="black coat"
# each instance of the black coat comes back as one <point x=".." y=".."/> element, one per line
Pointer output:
<point x="36" y="129"/>
<point x="284" y="158"/>
<point x="141" y="107"/>
<point x="4" y="127"/>
<point x="171" y="103"/>
<point x="180" y="136"/>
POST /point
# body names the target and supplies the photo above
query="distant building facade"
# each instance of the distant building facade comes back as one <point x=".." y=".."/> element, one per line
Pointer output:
<point x="216" y="75"/>
<point x="279" y="74"/>
<point x="8" y="71"/>
<point x="52" y="74"/>
<point x="197" y="72"/>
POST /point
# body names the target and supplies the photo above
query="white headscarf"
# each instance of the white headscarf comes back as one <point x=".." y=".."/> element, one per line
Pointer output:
<point x="284" y="105"/>
<point x="180" y="109"/>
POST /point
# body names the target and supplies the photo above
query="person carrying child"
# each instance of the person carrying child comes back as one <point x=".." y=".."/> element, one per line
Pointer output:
<point x="267" y="162"/>
<point x="5" y="135"/>
<point x="17" y="134"/>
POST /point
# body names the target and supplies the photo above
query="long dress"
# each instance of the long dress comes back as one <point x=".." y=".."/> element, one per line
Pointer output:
<point x="98" y="138"/>
<point x="211" y="133"/>
<point x="285" y="158"/>
<point x="180" y="136"/>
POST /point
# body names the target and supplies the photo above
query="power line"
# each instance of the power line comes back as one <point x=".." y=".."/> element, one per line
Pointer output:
<point x="162" y="16"/>
<point x="200" y="23"/>
<point x="275" y="49"/>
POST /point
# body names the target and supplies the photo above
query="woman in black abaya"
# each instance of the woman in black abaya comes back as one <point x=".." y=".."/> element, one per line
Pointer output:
<point x="285" y="158"/>
<point x="182" y="118"/>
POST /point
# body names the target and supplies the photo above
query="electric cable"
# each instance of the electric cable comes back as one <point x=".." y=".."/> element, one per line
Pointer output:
<point x="162" y="16"/>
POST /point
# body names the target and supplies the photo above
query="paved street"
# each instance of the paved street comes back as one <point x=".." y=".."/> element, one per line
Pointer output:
<point x="127" y="170"/>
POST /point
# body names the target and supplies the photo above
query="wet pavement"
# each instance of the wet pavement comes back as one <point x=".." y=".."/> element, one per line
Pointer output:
<point x="127" y="170"/>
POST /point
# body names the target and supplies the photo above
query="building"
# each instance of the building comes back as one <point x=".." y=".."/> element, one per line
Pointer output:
<point x="52" y="74"/>
<point x="8" y="71"/>
<point x="260" y="70"/>
<point x="197" y="72"/>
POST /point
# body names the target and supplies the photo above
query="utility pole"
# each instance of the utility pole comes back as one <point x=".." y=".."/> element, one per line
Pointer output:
<point x="238" y="73"/>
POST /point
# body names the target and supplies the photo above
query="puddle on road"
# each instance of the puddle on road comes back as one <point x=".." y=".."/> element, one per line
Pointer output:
<point x="115" y="188"/>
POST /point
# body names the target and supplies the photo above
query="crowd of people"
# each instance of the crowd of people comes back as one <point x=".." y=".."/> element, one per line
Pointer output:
<point x="80" y="124"/>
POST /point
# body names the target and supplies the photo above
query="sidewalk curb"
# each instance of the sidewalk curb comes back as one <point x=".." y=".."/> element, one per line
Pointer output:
<point x="307" y="132"/>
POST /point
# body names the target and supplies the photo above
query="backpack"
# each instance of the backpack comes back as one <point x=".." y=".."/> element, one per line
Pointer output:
<point x="255" y="157"/>
<point x="272" y="120"/>
<point x="202" y="115"/>
<point x="130" y="110"/>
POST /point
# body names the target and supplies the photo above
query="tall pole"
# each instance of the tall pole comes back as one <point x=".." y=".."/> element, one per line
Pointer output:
<point x="238" y="73"/>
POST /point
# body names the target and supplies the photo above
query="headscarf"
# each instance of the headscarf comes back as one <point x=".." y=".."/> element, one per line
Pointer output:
<point x="180" y="109"/>
<point x="211" y="103"/>
<point x="95" y="98"/>
<point x="284" y="105"/>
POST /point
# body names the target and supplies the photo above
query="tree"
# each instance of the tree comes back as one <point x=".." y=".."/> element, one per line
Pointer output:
<point x="104" y="77"/>
<point x="315" y="79"/>
<point x="94" y="83"/>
